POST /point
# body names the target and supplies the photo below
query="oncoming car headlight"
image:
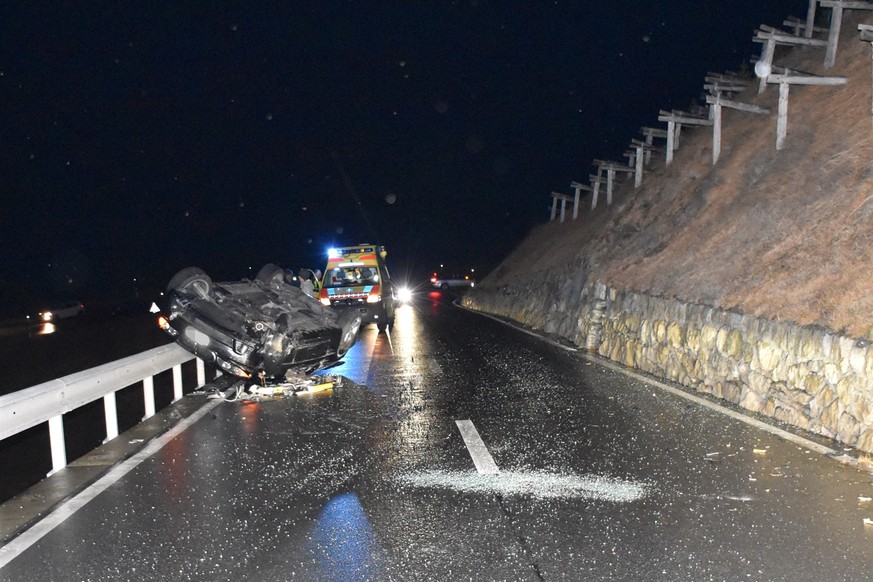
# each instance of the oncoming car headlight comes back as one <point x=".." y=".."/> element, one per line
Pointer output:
<point x="404" y="294"/>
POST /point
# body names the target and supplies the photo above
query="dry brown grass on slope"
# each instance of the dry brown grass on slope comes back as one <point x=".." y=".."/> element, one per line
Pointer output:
<point x="781" y="234"/>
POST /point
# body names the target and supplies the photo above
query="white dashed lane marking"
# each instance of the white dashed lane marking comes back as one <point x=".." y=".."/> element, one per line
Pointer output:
<point x="485" y="465"/>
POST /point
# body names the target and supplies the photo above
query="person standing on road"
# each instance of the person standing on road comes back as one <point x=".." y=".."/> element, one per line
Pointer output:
<point x="305" y="277"/>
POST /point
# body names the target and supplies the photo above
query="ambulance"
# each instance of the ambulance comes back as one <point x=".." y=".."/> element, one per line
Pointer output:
<point x="357" y="278"/>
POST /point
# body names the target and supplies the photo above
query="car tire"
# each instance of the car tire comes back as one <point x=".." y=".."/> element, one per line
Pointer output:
<point x="272" y="276"/>
<point x="350" y="324"/>
<point x="191" y="280"/>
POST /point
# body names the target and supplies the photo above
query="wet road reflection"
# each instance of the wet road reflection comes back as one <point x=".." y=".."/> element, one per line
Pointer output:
<point x="43" y="329"/>
<point x="344" y="543"/>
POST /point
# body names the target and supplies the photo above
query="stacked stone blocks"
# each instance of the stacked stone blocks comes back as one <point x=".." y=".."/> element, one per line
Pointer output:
<point x="808" y="377"/>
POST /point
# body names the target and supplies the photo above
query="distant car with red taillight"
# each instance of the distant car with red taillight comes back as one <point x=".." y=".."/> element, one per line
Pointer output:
<point x="446" y="282"/>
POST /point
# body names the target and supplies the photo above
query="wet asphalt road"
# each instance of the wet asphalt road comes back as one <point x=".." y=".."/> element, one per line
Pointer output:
<point x="602" y="477"/>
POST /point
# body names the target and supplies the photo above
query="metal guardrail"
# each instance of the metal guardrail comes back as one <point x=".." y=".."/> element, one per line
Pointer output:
<point x="49" y="401"/>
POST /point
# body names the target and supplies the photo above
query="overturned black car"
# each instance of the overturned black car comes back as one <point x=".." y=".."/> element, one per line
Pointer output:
<point x="262" y="327"/>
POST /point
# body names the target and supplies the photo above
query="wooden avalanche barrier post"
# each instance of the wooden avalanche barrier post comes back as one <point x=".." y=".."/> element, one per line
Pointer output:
<point x="611" y="168"/>
<point x="785" y="81"/>
<point x="717" y="103"/>
<point x="837" y="7"/>
<point x="675" y="120"/>
<point x="771" y="37"/>
<point x="578" y="188"/>
<point x="867" y="36"/>
<point x="563" y="198"/>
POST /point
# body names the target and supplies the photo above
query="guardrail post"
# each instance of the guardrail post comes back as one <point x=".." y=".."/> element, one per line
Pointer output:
<point x="201" y="373"/>
<point x="58" y="443"/>
<point x="111" y="412"/>
<point x="148" y="391"/>
<point x="177" y="382"/>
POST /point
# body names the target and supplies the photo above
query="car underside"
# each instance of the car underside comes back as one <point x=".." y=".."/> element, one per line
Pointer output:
<point x="262" y="327"/>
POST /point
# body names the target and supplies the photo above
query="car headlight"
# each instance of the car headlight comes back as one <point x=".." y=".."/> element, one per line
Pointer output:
<point x="404" y="294"/>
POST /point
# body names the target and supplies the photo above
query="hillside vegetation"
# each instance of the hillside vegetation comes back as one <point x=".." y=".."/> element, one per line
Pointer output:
<point x="785" y="235"/>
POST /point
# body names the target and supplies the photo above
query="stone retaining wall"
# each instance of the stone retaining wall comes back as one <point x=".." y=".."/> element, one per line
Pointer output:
<point x="811" y="378"/>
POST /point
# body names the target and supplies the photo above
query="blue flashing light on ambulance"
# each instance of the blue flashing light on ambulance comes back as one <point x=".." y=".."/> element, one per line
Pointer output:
<point x="357" y="278"/>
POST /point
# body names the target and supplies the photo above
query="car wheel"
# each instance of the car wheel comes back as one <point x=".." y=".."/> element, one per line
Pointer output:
<point x="350" y="324"/>
<point x="271" y="275"/>
<point x="191" y="280"/>
<point x="444" y="286"/>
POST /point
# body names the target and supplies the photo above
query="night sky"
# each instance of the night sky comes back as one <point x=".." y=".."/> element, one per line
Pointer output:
<point x="138" y="138"/>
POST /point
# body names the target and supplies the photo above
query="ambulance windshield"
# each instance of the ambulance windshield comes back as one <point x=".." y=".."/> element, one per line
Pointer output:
<point x="351" y="277"/>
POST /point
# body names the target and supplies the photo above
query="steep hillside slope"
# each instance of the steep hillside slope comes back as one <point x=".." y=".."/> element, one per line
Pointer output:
<point x="784" y="235"/>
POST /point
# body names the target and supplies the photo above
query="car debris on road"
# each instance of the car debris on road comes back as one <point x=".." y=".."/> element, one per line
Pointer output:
<point x="294" y="386"/>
